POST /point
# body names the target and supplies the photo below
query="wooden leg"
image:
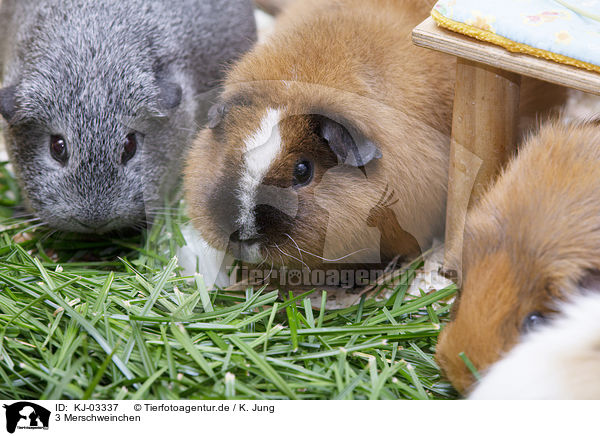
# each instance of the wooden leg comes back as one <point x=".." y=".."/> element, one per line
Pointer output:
<point x="484" y="134"/>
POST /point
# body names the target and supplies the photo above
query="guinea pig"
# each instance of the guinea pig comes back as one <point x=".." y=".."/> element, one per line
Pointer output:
<point x="558" y="361"/>
<point x="329" y="147"/>
<point x="331" y="137"/>
<point x="532" y="240"/>
<point x="102" y="97"/>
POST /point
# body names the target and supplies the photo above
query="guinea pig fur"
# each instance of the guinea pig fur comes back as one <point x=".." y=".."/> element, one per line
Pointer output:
<point x="557" y="361"/>
<point x="330" y="145"/>
<point x="102" y="97"/>
<point x="533" y="238"/>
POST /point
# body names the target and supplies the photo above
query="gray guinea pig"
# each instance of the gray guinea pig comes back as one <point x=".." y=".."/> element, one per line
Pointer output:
<point x="102" y="96"/>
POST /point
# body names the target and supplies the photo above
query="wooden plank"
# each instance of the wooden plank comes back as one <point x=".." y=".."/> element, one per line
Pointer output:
<point x="429" y="35"/>
<point x="484" y="134"/>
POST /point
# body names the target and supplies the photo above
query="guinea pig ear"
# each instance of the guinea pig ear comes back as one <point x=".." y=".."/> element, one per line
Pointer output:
<point x="170" y="94"/>
<point x="590" y="281"/>
<point x="8" y="103"/>
<point x="217" y="113"/>
<point x="351" y="148"/>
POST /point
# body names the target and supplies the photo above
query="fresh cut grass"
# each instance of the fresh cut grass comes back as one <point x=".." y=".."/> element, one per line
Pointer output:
<point x="114" y="318"/>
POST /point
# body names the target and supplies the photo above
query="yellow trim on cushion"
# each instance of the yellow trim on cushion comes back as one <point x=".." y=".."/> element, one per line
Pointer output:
<point x="512" y="46"/>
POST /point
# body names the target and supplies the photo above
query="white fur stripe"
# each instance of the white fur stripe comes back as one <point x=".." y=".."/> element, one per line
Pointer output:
<point x="262" y="148"/>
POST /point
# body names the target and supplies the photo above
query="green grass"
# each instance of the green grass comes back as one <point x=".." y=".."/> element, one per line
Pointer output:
<point x="114" y="319"/>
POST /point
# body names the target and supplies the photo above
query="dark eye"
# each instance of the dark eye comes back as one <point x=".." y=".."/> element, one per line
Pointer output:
<point x="129" y="148"/>
<point x="58" y="149"/>
<point x="533" y="321"/>
<point x="303" y="173"/>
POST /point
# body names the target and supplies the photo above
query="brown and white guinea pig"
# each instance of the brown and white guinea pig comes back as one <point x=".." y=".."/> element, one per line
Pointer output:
<point x="530" y="242"/>
<point x="558" y="361"/>
<point x="334" y="129"/>
<point x="330" y="145"/>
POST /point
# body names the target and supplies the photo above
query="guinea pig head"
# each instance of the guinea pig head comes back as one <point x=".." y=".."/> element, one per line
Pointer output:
<point x="495" y="307"/>
<point x="284" y="186"/>
<point x="80" y="146"/>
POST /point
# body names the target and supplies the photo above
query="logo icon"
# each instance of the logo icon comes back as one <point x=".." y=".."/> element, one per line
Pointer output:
<point x="26" y="415"/>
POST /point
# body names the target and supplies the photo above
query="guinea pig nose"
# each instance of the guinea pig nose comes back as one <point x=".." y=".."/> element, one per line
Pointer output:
<point x="93" y="225"/>
<point x="237" y="238"/>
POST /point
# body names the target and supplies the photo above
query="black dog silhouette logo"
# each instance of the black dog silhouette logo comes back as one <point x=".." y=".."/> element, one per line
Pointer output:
<point x="26" y="415"/>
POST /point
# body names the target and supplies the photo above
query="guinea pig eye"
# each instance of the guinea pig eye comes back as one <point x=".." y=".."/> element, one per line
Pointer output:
<point x="533" y="321"/>
<point x="129" y="148"/>
<point x="303" y="173"/>
<point x="58" y="149"/>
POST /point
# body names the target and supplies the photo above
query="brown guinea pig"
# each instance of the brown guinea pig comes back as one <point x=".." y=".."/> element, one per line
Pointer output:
<point x="330" y="145"/>
<point x="531" y="241"/>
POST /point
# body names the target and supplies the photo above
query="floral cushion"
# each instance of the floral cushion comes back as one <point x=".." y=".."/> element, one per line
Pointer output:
<point x="566" y="31"/>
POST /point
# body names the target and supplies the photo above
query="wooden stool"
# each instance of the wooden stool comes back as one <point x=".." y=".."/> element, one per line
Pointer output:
<point x="485" y="115"/>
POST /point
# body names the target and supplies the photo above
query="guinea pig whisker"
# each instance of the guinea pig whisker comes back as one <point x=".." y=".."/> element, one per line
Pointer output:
<point x="183" y="129"/>
<point x="23" y="215"/>
<point x="268" y="276"/>
<point x="192" y="220"/>
<point x="334" y="260"/>
<point x="140" y="226"/>
<point x="31" y="220"/>
<point x="158" y="208"/>
<point x="292" y="257"/>
<point x="281" y="259"/>
<point x="262" y="263"/>
<point x="48" y="235"/>
<point x="33" y="227"/>
<point x="20" y="222"/>
<point x="161" y="213"/>
<point x="297" y="247"/>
